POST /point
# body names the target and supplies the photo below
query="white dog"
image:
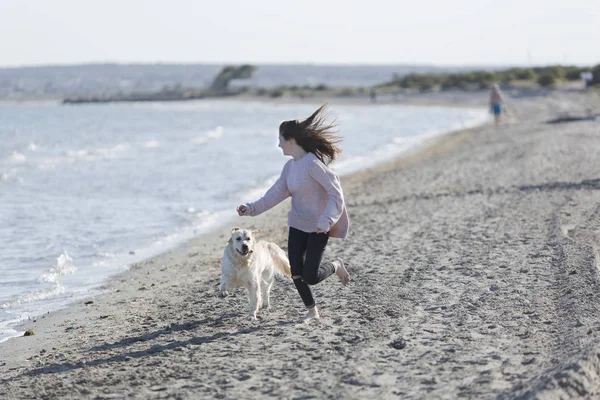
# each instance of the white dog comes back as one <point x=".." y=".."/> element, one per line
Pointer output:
<point x="253" y="265"/>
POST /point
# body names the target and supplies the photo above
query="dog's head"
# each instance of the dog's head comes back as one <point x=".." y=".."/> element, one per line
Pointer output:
<point x="242" y="240"/>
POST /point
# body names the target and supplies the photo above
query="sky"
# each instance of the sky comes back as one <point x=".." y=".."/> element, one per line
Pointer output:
<point x="423" y="32"/>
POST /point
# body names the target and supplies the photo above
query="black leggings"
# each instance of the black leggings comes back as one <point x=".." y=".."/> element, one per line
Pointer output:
<point x="305" y="251"/>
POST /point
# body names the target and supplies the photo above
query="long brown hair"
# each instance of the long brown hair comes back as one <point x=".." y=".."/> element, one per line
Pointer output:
<point x="314" y="134"/>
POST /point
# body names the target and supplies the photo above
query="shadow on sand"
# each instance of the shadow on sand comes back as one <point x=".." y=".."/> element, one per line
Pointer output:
<point x="155" y="349"/>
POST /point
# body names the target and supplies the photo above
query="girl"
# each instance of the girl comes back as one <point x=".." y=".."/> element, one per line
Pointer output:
<point x="318" y="210"/>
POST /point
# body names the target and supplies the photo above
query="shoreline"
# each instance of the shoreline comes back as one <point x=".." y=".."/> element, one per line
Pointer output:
<point x="441" y="98"/>
<point x="464" y="249"/>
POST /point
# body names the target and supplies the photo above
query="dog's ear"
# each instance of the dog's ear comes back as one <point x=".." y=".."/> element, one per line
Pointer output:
<point x="256" y="231"/>
<point x="234" y="229"/>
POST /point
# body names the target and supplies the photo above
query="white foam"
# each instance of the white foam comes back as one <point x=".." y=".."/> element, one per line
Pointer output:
<point x="215" y="133"/>
<point x="210" y="221"/>
<point x="151" y="144"/>
<point x="105" y="254"/>
<point x="167" y="239"/>
<point x="211" y="134"/>
<point x="38" y="295"/>
<point x="95" y="154"/>
<point x="83" y="155"/>
<point x="6" y="332"/>
<point x="64" y="266"/>
<point x="17" y="157"/>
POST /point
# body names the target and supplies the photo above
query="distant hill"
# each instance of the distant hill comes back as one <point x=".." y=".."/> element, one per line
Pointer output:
<point x="54" y="82"/>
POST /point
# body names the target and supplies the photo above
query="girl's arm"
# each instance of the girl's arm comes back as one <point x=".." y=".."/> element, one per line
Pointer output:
<point x="335" y="205"/>
<point x="275" y="195"/>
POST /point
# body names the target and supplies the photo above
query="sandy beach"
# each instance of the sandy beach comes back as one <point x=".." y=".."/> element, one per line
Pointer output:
<point x="474" y="263"/>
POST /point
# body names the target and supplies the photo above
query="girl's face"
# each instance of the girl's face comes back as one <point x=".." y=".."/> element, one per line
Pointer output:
<point x="286" y="145"/>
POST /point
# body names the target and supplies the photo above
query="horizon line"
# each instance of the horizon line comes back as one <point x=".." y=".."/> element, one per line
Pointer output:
<point x="324" y="64"/>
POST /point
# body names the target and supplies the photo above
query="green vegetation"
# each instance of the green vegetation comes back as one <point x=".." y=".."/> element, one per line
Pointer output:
<point x="545" y="77"/>
<point x="227" y="74"/>
<point x="547" y="80"/>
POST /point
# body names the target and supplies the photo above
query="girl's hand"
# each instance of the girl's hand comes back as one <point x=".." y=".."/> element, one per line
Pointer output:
<point x="323" y="226"/>
<point x="241" y="210"/>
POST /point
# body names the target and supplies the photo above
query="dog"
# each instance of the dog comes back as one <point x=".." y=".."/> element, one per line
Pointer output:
<point x="253" y="265"/>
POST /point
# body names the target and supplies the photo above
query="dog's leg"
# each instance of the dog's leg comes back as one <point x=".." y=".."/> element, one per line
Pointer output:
<point x="259" y="290"/>
<point x="266" y="293"/>
<point x="224" y="286"/>
<point x="255" y="299"/>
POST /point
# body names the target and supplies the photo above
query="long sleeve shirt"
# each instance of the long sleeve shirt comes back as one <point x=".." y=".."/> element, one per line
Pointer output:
<point x="317" y="197"/>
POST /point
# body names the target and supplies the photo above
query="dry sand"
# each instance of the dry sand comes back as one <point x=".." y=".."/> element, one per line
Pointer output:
<point x="479" y="253"/>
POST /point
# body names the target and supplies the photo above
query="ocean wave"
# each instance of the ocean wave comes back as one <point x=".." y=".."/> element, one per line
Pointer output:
<point x="95" y="154"/>
<point x="16" y="161"/>
<point x="64" y="266"/>
<point x="151" y="144"/>
<point x="6" y="332"/>
<point x="207" y="221"/>
<point x="105" y="254"/>
<point x="83" y="155"/>
<point x="5" y="176"/>
<point x="211" y="134"/>
<point x="38" y="295"/>
<point x="17" y="157"/>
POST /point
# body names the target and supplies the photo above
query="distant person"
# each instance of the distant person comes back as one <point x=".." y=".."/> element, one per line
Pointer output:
<point x="318" y="209"/>
<point x="496" y="102"/>
<point x="373" y="96"/>
<point x="588" y="78"/>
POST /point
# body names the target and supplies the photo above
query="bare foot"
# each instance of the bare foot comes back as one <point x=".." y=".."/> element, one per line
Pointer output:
<point x="341" y="272"/>
<point x="312" y="313"/>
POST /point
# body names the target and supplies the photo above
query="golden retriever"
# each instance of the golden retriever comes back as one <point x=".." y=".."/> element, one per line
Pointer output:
<point x="253" y="265"/>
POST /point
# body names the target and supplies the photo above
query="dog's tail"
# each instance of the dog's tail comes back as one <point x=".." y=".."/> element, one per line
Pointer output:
<point x="280" y="260"/>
